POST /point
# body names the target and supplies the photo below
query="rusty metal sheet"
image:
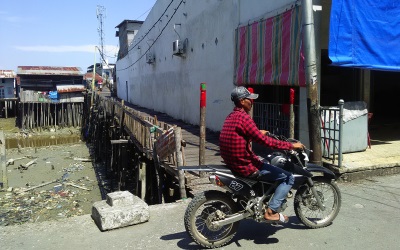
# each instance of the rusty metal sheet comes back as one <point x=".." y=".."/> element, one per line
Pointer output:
<point x="89" y="76"/>
<point x="70" y="88"/>
<point x="7" y="74"/>
<point x="49" y="70"/>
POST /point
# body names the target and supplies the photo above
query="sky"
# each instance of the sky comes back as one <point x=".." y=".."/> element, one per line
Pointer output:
<point x="62" y="33"/>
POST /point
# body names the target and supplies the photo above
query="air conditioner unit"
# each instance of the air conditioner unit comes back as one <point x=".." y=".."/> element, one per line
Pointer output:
<point x="178" y="47"/>
<point x="150" y="58"/>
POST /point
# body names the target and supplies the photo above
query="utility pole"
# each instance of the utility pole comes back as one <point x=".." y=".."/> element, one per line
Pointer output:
<point x="312" y="81"/>
<point x="100" y="13"/>
<point x="100" y="17"/>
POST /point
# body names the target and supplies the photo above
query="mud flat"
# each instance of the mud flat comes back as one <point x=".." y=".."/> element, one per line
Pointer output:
<point x="47" y="182"/>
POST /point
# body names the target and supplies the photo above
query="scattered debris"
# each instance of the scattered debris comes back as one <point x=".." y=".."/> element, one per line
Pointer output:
<point x="25" y="167"/>
<point x="74" y="185"/>
<point x="57" y="187"/>
<point x="82" y="159"/>
<point x="34" y="205"/>
<point x="74" y="167"/>
<point x="41" y="185"/>
<point x="11" y="161"/>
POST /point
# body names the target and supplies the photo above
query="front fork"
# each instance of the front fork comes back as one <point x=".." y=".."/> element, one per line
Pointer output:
<point x="315" y="193"/>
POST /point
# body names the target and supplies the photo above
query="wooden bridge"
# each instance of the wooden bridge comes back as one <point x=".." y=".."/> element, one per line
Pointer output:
<point x="142" y="148"/>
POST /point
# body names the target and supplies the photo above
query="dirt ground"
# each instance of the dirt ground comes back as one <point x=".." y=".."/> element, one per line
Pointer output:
<point x="46" y="182"/>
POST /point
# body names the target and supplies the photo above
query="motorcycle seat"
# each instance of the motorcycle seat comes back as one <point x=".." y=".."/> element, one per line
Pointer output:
<point x="207" y="168"/>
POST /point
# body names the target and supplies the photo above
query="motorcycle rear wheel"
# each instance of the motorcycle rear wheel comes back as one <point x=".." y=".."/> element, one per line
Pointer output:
<point x="307" y="209"/>
<point x="205" y="208"/>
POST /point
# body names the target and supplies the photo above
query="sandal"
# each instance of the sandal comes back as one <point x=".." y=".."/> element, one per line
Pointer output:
<point x="280" y="220"/>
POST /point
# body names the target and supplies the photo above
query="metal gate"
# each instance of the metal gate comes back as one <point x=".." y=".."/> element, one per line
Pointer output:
<point x="331" y="132"/>
<point x="274" y="118"/>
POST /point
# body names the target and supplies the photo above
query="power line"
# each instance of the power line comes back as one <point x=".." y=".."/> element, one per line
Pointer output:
<point x="154" y="25"/>
<point x="137" y="18"/>
<point x="155" y="40"/>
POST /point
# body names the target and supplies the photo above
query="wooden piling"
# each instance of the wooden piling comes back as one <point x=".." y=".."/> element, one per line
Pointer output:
<point x="159" y="176"/>
<point x="142" y="178"/>
<point x="3" y="159"/>
<point x="179" y="161"/>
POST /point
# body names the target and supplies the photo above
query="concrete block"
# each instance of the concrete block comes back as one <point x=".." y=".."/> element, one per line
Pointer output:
<point x="121" y="198"/>
<point x="126" y="210"/>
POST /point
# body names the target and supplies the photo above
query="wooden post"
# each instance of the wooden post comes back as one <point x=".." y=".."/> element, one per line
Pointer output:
<point x="22" y="105"/>
<point x="55" y="114"/>
<point x="121" y="125"/>
<point x="137" y="178"/>
<point x="159" y="176"/>
<point x="202" y="144"/>
<point x="142" y="177"/>
<point x="3" y="159"/>
<point x="291" y="114"/>
<point x="6" y="108"/>
<point x="312" y="81"/>
<point x="179" y="161"/>
<point x="251" y="90"/>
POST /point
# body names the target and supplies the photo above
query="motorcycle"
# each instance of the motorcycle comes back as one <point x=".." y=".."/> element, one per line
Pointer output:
<point x="212" y="217"/>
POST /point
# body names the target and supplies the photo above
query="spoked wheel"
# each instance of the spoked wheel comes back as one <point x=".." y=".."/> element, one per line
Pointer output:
<point x="206" y="208"/>
<point x="307" y="209"/>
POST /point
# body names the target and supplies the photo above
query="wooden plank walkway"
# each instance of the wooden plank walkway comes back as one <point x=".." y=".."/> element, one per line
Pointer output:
<point x="191" y="135"/>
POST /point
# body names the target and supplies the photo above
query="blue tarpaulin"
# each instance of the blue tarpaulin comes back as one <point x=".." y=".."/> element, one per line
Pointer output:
<point x="365" y="34"/>
<point x="53" y="95"/>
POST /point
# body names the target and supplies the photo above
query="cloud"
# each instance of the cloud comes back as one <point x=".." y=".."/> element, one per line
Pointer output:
<point x="110" y="50"/>
<point x="13" y="19"/>
<point x="4" y="16"/>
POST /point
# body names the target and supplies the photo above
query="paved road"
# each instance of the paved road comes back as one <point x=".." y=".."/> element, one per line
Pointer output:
<point x="369" y="219"/>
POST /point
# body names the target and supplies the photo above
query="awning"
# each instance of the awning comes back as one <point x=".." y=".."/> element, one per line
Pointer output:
<point x="270" y="51"/>
<point x="365" y="34"/>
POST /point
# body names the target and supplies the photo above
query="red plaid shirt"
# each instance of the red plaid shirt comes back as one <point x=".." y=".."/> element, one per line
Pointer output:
<point x="234" y="143"/>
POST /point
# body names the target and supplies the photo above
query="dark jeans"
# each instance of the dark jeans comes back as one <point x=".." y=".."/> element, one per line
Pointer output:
<point x="271" y="173"/>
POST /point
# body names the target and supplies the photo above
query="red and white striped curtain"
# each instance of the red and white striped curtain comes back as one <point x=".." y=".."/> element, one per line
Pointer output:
<point x="270" y="51"/>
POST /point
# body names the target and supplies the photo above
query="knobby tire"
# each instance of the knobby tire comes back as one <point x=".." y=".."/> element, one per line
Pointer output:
<point x="307" y="209"/>
<point x="201" y="209"/>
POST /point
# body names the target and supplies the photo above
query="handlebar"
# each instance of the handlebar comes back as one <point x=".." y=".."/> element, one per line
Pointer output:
<point x="283" y="138"/>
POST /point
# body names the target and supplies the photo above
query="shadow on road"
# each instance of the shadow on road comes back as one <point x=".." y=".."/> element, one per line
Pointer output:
<point x="249" y="230"/>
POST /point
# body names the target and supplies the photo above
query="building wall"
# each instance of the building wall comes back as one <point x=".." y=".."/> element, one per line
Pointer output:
<point x="172" y="83"/>
<point x="7" y="88"/>
<point x="127" y="33"/>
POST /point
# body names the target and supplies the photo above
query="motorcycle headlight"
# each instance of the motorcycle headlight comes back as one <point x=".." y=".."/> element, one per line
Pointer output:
<point x="306" y="159"/>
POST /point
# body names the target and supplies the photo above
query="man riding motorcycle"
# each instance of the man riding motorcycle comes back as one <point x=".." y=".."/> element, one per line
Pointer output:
<point x="235" y="146"/>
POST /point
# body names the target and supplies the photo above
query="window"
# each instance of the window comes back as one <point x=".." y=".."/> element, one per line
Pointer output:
<point x="2" y="95"/>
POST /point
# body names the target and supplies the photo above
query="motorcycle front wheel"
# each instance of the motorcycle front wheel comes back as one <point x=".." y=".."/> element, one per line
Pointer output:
<point x="205" y="208"/>
<point x="307" y="209"/>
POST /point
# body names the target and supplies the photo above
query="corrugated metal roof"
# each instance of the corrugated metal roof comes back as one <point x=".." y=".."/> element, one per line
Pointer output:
<point x="89" y="76"/>
<point x="70" y="88"/>
<point x="49" y="70"/>
<point x="7" y="74"/>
